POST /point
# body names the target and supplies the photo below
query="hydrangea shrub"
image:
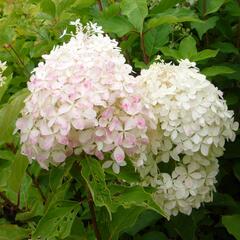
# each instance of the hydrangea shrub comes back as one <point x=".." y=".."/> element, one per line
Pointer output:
<point x="84" y="98"/>
<point x="124" y="131"/>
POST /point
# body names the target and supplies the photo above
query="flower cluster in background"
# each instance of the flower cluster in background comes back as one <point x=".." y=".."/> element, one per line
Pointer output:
<point x="84" y="99"/>
<point x="194" y="123"/>
<point x="2" y="69"/>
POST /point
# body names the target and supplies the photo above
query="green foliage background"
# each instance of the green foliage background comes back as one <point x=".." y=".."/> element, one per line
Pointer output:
<point x="53" y="204"/>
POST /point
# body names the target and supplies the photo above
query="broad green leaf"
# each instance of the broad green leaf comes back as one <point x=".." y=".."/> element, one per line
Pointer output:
<point x="156" y="38"/>
<point x="117" y="24"/>
<point x="9" y="114"/>
<point x="10" y="232"/>
<point x="164" y="5"/>
<point x="134" y="196"/>
<point x="80" y="231"/>
<point x="58" y="195"/>
<point x="233" y="7"/>
<point x="55" y="177"/>
<point x="33" y="212"/>
<point x="64" y="5"/>
<point x="217" y="70"/>
<point x="187" y="47"/>
<point x="211" y="6"/>
<point x="93" y="174"/>
<point x="17" y="170"/>
<point x="122" y="220"/>
<point x="136" y="11"/>
<point x="48" y="7"/>
<point x="172" y="16"/>
<point x="7" y="35"/>
<point x="204" y="54"/>
<point x="139" y="64"/>
<point x="226" y="47"/>
<point x="7" y="155"/>
<point x="203" y="27"/>
<point x="146" y="219"/>
<point x="169" y="52"/>
<point x="58" y="220"/>
<point x="232" y="224"/>
<point x="127" y="173"/>
<point x="111" y="11"/>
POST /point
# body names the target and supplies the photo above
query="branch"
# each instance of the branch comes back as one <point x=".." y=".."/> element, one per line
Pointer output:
<point x="93" y="214"/>
<point x="9" y="202"/>
<point x="145" y="56"/>
<point x="9" y="46"/>
<point x="36" y="184"/>
<point x="100" y="6"/>
<point x="78" y="167"/>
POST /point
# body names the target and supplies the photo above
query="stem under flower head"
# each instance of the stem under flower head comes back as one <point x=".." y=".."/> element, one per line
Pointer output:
<point x="93" y="215"/>
<point x="145" y="56"/>
<point x="78" y="167"/>
<point x="36" y="184"/>
<point x="100" y="6"/>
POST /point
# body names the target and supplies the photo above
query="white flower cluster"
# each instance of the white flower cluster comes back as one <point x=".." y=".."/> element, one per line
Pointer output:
<point x="82" y="99"/>
<point x="193" y="124"/>
<point x="2" y="69"/>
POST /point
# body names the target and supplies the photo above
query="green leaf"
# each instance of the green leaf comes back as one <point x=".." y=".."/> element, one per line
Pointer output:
<point x="7" y="155"/>
<point x="127" y="173"/>
<point x="156" y="38"/>
<point x="55" y="177"/>
<point x="10" y="232"/>
<point x="7" y="35"/>
<point x="212" y="6"/>
<point x="17" y="171"/>
<point x="64" y="5"/>
<point x="136" y="11"/>
<point x="94" y="176"/>
<point x="164" y="5"/>
<point x="134" y="196"/>
<point x="217" y="70"/>
<point x="179" y="224"/>
<point x="172" y="16"/>
<point x="203" y="27"/>
<point x="58" y="220"/>
<point x="33" y="212"/>
<point x="205" y="54"/>
<point x="48" y="6"/>
<point x="9" y="114"/>
<point x="225" y="47"/>
<point x="187" y="47"/>
<point x="122" y="220"/>
<point x="117" y="24"/>
<point x="232" y="224"/>
<point x="233" y="8"/>
<point x="146" y="219"/>
<point x="169" y="52"/>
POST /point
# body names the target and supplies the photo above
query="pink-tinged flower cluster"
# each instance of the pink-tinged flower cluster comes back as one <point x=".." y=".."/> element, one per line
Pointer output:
<point x="83" y="99"/>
